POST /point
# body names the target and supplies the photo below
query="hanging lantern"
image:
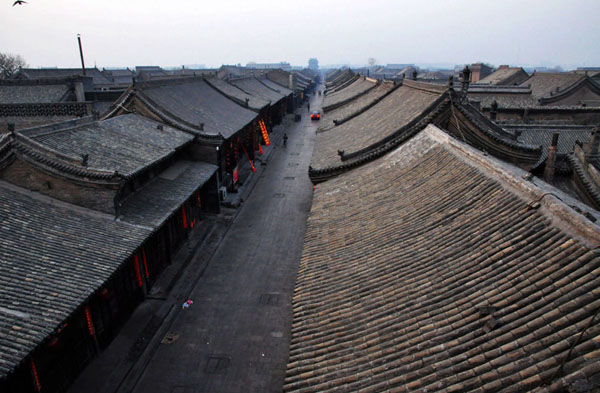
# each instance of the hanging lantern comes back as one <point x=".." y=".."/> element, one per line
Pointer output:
<point x="104" y="293"/>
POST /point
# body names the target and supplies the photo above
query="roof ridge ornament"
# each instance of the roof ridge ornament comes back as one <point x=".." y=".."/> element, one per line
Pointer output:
<point x="466" y="79"/>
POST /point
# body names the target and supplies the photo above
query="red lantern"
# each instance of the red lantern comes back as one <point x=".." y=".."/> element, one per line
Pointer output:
<point x="104" y="294"/>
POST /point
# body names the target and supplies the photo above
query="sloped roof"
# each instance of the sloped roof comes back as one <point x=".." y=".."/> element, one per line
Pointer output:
<point x="33" y="94"/>
<point x="358" y="87"/>
<point x="235" y="93"/>
<point x="276" y="86"/>
<point x="196" y="102"/>
<point x="157" y="200"/>
<point x="256" y="88"/>
<point x="126" y="144"/>
<point x="504" y="100"/>
<point x="545" y="83"/>
<point x="426" y="270"/>
<point x="386" y="117"/>
<point x="41" y="73"/>
<point x="505" y="96"/>
<point x="355" y="106"/>
<point x="339" y="79"/>
<point x="503" y="75"/>
<point x="53" y="257"/>
<point x="347" y="82"/>
<point x="541" y="134"/>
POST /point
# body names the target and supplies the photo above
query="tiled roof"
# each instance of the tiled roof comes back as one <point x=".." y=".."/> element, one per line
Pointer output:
<point x="355" y="106"/>
<point x="235" y="93"/>
<point x="382" y="120"/>
<point x="541" y="135"/>
<point x="339" y="78"/>
<point x="196" y="102"/>
<point x="331" y="75"/>
<point x="504" y="100"/>
<point x="256" y="88"/>
<point x="427" y="270"/>
<point x="358" y="87"/>
<point x="125" y="144"/>
<point x="15" y="94"/>
<point x="544" y="83"/>
<point x="505" y="96"/>
<point x="156" y="201"/>
<point x="503" y="75"/>
<point x="343" y="85"/>
<point x="276" y="86"/>
<point x="41" y="73"/>
<point x="53" y="257"/>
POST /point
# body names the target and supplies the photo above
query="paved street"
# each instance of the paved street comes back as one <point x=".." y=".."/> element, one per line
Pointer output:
<point x="235" y="335"/>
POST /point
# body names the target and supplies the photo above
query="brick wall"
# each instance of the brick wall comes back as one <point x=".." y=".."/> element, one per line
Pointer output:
<point x="27" y="176"/>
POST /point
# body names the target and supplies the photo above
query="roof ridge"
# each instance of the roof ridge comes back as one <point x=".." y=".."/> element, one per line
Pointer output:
<point x="579" y="171"/>
<point x="42" y="154"/>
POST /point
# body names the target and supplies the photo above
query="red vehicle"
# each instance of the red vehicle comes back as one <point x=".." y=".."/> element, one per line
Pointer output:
<point x="315" y="115"/>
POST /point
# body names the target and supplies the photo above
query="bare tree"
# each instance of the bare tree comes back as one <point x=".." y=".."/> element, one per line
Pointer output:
<point x="9" y="64"/>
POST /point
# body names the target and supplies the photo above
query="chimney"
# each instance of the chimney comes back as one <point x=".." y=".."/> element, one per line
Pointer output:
<point x="591" y="148"/>
<point x="450" y="82"/>
<point x="11" y="127"/>
<point x="551" y="159"/>
<point x="291" y="82"/>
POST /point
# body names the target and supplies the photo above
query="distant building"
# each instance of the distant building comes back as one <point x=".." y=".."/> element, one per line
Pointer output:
<point x="313" y="64"/>
<point x="270" y="66"/>
<point x="505" y="75"/>
<point x="480" y="71"/>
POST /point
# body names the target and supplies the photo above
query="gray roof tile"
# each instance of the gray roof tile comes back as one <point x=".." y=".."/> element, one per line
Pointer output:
<point x="426" y="270"/>
<point x="196" y="102"/>
<point x="53" y="256"/>
<point x="126" y="144"/>
<point x="154" y="203"/>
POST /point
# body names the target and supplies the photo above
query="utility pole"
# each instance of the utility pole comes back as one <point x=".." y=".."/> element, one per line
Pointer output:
<point x="81" y="53"/>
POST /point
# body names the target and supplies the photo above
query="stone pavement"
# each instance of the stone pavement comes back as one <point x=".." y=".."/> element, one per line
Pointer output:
<point x="235" y="336"/>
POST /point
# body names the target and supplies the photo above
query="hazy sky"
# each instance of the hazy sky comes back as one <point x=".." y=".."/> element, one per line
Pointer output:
<point x="172" y="33"/>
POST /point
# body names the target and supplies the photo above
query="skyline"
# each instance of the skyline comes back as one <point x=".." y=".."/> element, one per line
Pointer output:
<point x="117" y="34"/>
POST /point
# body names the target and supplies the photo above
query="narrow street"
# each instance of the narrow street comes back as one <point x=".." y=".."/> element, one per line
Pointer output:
<point x="235" y="335"/>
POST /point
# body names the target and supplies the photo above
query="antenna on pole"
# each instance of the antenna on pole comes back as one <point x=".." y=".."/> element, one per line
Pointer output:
<point x="81" y="53"/>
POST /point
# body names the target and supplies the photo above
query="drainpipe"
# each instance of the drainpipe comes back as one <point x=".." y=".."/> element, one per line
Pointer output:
<point x="551" y="159"/>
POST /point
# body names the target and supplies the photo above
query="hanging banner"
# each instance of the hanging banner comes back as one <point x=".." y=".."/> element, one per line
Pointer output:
<point x="236" y="175"/>
<point x="263" y="129"/>
<point x="249" y="160"/>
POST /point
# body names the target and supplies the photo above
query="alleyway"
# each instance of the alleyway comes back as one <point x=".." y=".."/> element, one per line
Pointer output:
<point x="235" y="335"/>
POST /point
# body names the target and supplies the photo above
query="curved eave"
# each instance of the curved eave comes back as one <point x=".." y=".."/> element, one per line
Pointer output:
<point x="381" y="148"/>
<point x="48" y="161"/>
<point x="238" y="100"/>
<point x="171" y="119"/>
<point x="584" y="82"/>
<point x="363" y="109"/>
<point x="587" y="186"/>
<point x="349" y="99"/>
<point x="485" y="135"/>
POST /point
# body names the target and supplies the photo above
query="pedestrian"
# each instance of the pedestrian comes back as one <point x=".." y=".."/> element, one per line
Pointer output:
<point x="284" y="139"/>
<point x="308" y="106"/>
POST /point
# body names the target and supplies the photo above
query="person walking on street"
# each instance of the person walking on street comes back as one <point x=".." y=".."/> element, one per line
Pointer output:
<point x="285" y="139"/>
<point x="308" y="106"/>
